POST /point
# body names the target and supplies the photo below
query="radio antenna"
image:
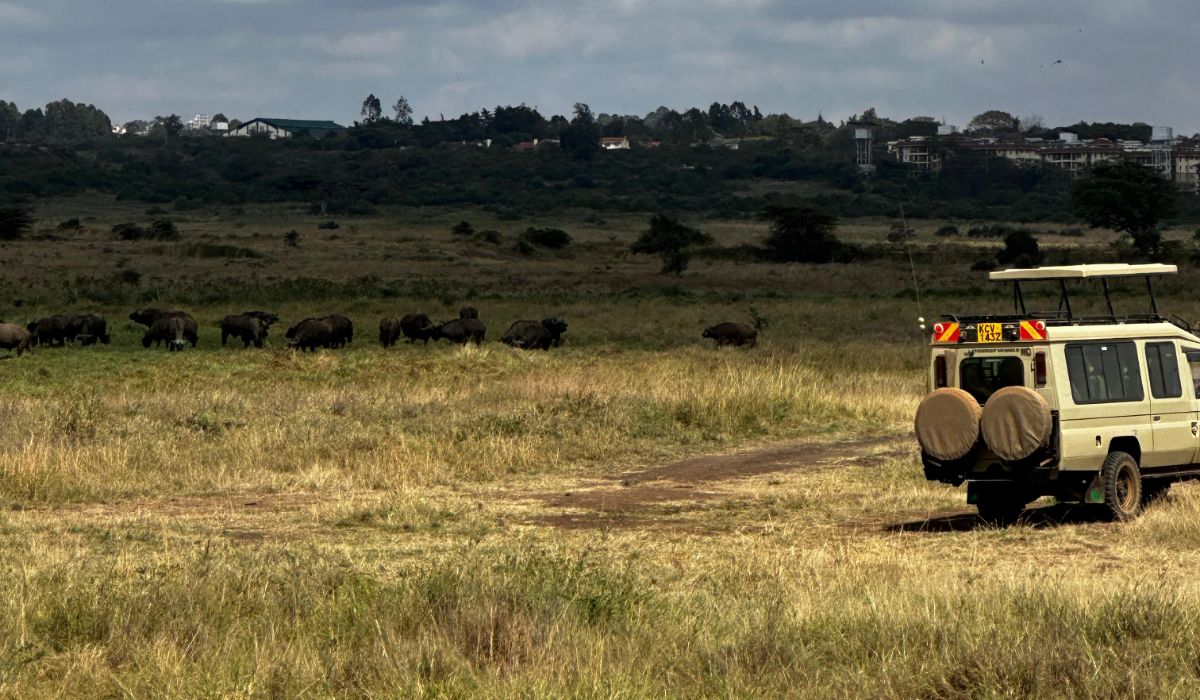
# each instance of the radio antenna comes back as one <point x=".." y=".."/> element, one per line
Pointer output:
<point x="912" y="267"/>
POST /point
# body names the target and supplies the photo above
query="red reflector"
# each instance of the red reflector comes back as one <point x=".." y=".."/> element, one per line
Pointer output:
<point x="1040" y="325"/>
<point x="939" y="328"/>
<point x="1039" y="369"/>
<point x="939" y="372"/>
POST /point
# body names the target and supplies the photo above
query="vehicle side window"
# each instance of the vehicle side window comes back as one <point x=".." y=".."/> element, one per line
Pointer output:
<point x="1163" y="368"/>
<point x="1193" y="359"/>
<point x="1104" y="373"/>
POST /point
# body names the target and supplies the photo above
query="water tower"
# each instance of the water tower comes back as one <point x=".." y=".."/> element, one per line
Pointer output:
<point x="864" y="140"/>
<point x="1161" y="138"/>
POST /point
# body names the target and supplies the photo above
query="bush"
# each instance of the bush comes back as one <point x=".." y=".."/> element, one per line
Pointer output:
<point x="164" y="230"/>
<point x="328" y="225"/>
<point x="72" y="224"/>
<point x="14" y="222"/>
<point x="899" y="233"/>
<point x="547" y="237"/>
<point x="129" y="232"/>
<point x="462" y="228"/>
<point x="523" y="247"/>
<point x="946" y="230"/>
<point x="218" y="250"/>
<point x="805" y="234"/>
<point x="488" y="236"/>
<point x="1020" y="249"/>
<point x="291" y="239"/>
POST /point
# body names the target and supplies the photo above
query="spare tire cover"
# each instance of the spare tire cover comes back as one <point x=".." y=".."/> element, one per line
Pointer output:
<point x="947" y="423"/>
<point x="1016" y="423"/>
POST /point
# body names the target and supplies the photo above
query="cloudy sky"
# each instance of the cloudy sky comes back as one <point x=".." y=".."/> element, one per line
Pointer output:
<point x="1121" y="60"/>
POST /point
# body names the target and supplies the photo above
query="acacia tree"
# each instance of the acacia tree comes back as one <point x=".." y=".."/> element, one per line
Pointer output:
<point x="670" y="240"/>
<point x="1126" y="197"/>
<point x="804" y="234"/>
<point x="993" y="121"/>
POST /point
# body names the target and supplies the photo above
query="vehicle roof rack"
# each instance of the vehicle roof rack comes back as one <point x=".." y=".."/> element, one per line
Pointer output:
<point x="1070" y="272"/>
<point x="1063" y="273"/>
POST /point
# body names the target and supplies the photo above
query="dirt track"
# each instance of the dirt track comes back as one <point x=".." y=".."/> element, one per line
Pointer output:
<point x="625" y="500"/>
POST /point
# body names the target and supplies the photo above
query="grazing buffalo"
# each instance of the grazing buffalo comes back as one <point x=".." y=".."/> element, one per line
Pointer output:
<point x="417" y="327"/>
<point x="171" y="330"/>
<point x="732" y="334"/>
<point x="148" y="317"/>
<point x="462" y="331"/>
<point x="89" y="329"/>
<point x="14" y="337"/>
<point x="535" y="335"/>
<point x="389" y="331"/>
<point x="53" y="330"/>
<point x="251" y="329"/>
<point x="312" y="333"/>
<point x="468" y="312"/>
<point x="342" y="330"/>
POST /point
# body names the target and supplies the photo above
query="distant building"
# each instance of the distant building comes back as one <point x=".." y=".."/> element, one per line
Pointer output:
<point x="615" y="143"/>
<point x="285" y="128"/>
<point x="200" y="121"/>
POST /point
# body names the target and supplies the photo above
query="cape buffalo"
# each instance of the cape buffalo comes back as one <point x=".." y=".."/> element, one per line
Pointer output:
<point x="312" y="333"/>
<point x="417" y="327"/>
<point x="341" y="330"/>
<point x="148" y="317"/>
<point x="251" y="329"/>
<point x="732" y="334"/>
<point x="88" y="329"/>
<point x="461" y="331"/>
<point x="171" y="330"/>
<point x="540" y="335"/>
<point x="468" y="312"/>
<point x="14" y="337"/>
<point x="53" y="330"/>
<point x="389" y="331"/>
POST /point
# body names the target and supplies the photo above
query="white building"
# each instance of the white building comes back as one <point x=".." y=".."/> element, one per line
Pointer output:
<point x="285" y="128"/>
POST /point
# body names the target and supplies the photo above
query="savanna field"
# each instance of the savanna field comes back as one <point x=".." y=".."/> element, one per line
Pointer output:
<point x="634" y="514"/>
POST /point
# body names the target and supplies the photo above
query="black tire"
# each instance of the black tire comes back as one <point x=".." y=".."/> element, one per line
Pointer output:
<point x="1154" y="490"/>
<point x="1000" y="506"/>
<point x="1122" y="486"/>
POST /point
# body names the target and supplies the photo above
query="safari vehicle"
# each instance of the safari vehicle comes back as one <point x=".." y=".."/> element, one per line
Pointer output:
<point x="1101" y="409"/>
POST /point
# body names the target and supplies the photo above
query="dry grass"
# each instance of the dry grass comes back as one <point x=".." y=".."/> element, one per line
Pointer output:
<point x="484" y="522"/>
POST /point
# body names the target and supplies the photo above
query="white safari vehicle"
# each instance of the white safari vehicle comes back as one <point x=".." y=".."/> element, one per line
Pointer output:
<point x="1100" y="409"/>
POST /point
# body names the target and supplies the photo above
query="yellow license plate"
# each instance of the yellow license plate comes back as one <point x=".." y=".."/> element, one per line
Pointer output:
<point x="991" y="333"/>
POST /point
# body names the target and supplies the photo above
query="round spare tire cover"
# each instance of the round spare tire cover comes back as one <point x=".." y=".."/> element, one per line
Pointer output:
<point x="1016" y="423"/>
<point x="947" y="423"/>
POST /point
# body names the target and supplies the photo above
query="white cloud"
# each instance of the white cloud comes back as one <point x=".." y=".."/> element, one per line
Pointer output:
<point x="361" y="44"/>
<point x="529" y="33"/>
<point x="12" y="13"/>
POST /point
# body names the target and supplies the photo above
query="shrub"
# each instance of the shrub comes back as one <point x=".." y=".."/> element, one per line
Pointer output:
<point x="71" y="224"/>
<point x="291" y="239"/>
<point x="547" y="237"/>
<point x="462" y="228"/>
<point x="523" y="247"/>
<point x="129" y="232"/>
<point x="1020" y="249"/>
<point x="946" y="230"/>
<point x="670" y="240"/>
<point x="488" y="236"/>
<point x="130" y="276"/>
<point x="218" y="250"/>
<point x="14" y="222"/>
<point x="328" y="225"/>
<point x="899" y="233"/>
<point x="804" y="234"/>
<point x="163" y="230"/>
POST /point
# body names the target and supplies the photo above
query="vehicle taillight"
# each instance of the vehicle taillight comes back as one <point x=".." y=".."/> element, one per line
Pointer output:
<point x="939" y="372"/>
<point x="1039" y="369"/>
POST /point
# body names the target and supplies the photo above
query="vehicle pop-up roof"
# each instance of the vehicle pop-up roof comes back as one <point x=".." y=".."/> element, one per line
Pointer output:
<point x="1063" y="274"/>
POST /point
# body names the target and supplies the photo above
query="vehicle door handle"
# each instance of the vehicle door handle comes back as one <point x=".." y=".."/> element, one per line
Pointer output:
<point x="1157" y="418"/>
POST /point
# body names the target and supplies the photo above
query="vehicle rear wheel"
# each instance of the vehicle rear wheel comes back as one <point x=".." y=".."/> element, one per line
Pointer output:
<point x="1122" y="486"/>
<point x="1000" y="506"/>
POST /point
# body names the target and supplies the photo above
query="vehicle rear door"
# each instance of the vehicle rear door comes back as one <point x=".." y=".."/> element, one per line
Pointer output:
<point x="1172" y="409"/>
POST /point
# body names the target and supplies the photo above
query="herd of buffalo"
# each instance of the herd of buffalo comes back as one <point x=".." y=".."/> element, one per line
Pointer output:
<point x="177" y="329"/>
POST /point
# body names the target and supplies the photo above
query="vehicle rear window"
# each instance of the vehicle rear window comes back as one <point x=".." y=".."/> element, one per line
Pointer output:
<point x="1162" y="366"/>
<point x="1104" y="373"/>
<point x="983" y="376"/>
<point x="1193" y="359"/>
